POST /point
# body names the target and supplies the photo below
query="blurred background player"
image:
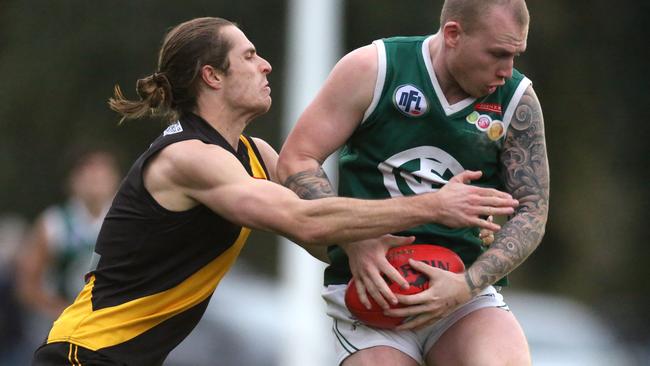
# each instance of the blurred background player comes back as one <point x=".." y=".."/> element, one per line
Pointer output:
<point x="58" y="248"/>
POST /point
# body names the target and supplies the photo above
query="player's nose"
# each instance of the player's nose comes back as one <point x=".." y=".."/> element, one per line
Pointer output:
<point x="265" y="66"/>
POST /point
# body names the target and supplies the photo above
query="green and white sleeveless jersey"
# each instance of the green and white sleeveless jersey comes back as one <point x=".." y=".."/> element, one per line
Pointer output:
<point x="412" y="141"/>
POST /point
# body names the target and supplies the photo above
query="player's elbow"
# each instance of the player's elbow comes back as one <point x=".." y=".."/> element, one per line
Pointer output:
<point x="291" y="161"/>
<point x="282" y="169"/>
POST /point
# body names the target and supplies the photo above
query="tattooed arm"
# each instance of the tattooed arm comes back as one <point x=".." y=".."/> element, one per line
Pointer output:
<point x="526" y="177"/>
<point x="325" y="125"/>
<point x="311" y="185"/>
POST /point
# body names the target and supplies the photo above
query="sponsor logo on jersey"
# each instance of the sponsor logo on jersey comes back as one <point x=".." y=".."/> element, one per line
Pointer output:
<point x="488" y="107"/>
<point x="418" y="170"/>
<point x="173" y="128"/>
<point x="410" y="100"/>
<point x="483" y="122"/>
<point x="496" y="130"/>
<point x="472" y="117"/>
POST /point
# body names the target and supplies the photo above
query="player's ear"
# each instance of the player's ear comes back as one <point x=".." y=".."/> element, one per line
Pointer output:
<point x="212" y="77"/>
<point x="451" y="32"/>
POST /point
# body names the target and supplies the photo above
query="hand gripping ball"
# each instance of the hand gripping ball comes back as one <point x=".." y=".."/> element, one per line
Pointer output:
<point x="433" y="255"/>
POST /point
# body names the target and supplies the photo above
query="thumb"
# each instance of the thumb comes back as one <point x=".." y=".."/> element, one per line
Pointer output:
<point x="424" y="268"/>
<point x="467" y="176"/>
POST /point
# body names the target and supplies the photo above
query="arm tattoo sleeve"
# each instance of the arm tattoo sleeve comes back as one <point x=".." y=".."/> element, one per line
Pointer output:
<point x="310" y="184"/>
<point x="526" y="177"/>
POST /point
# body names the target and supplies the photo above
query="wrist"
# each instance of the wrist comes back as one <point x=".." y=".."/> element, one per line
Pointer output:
<point x="472" y="287"/>
<point x="427" y="206"/>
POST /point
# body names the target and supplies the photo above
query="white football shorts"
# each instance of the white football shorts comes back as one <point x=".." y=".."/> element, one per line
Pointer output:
<point x="351" y="335"/>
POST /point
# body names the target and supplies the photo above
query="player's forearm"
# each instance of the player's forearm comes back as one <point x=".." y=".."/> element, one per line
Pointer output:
<point x="336" y="219"/>
<point x="346" y="220"/>
<point x="526" y="177"/>
<point x="516" y="240"/>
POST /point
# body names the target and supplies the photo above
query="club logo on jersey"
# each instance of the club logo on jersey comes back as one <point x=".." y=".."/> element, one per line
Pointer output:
<point x="410" y="100"/>
<point x="173" y="128"/>
<point x="418" y="170"/>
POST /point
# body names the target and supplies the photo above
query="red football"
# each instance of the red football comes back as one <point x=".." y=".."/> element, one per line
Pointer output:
<point x="433" y="255"/>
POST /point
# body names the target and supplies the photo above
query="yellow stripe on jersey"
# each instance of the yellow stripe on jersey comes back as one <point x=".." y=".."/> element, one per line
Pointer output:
<point x="70" y="355"/>
<point x="75" y="355"/>
<point x="256" y="166"/>
<point x="106" y="327"/>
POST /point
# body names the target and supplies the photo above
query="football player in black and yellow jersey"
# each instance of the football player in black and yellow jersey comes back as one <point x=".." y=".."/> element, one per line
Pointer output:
<point x="188" y="203"/>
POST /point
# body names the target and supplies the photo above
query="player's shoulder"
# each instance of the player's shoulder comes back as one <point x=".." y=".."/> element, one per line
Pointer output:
<point x="191" y="155"/>
<point x="518" y="76"/>
<point x="360" y="59"/>
<point x="405" y="39"/>
<point x="192" y="164"/>
<point x="187" y="149"/>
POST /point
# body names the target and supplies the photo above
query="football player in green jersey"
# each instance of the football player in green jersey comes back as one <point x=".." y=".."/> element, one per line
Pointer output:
<point x="409" y="114"/>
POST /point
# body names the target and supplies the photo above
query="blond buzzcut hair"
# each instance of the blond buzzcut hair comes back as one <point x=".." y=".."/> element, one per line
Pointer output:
<point x="468" y="13"/>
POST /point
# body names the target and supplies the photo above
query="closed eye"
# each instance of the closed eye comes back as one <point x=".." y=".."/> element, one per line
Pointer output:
<point x="498" y="54"/>
<point x="250" y="53"/>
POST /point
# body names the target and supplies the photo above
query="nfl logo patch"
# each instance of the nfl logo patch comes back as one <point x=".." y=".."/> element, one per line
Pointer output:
<point x="410" y="100"/>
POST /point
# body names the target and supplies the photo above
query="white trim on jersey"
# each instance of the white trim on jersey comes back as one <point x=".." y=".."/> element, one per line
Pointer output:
<point x="448" y="108"/>
<point x="381" y="78"/>
<point x="514" y="101"/>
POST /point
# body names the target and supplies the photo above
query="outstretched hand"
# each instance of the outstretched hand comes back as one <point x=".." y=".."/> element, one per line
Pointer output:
<point x="462" y="205"/>
<point x="446" y="292"/>
<point x="368" y="262"/>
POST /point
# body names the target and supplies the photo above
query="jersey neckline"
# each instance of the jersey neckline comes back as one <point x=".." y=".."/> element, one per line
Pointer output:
<point x="449" y="109"/>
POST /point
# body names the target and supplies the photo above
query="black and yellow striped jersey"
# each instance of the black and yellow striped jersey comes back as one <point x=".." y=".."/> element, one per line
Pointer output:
<point x="156" y="268"/>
